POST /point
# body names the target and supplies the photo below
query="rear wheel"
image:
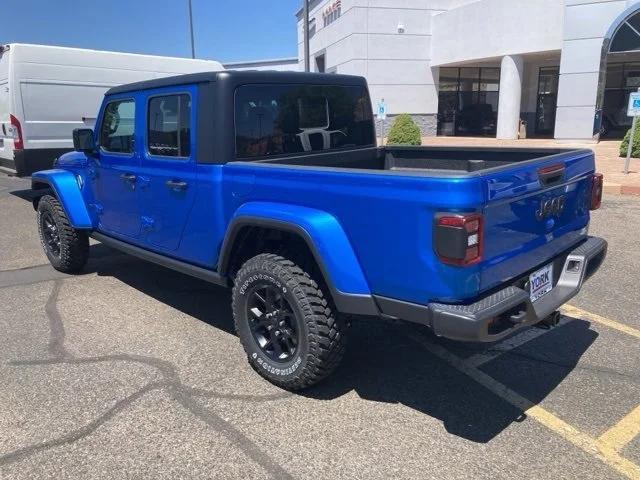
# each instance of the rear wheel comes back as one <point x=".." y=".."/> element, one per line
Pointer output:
<point x="285" y="323"/>
<point x="66" y="248"/>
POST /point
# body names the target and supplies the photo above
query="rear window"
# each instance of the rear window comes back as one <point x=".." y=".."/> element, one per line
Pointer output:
<point x="289" y="119"/>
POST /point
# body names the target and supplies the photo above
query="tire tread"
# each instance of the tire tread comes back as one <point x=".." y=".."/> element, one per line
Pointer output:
<point x="74" y="244"/>
<point x="327" y="339"/>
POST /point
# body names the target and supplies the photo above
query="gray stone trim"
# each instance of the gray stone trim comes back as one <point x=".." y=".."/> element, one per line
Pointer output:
<point x="428" y="124"/>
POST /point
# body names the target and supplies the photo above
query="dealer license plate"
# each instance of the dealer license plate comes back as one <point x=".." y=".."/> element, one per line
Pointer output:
<point x="541" y="282"/>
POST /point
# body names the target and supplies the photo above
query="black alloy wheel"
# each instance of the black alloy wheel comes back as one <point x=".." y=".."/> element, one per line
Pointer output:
<point x="272" y="323"/>
<point x="66" y="247"/>
<point x="50" y="234"/>
<point x="286" y="322"/>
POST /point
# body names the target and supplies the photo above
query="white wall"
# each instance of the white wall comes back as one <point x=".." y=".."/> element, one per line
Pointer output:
<point x="365" y="41"/>
<point x="494" y="28"/>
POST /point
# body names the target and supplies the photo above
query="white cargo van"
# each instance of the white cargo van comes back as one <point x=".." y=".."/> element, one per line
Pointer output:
<point x="47" y="91"/>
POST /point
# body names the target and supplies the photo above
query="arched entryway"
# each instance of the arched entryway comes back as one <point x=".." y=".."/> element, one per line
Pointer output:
<point x="619" y="73"/>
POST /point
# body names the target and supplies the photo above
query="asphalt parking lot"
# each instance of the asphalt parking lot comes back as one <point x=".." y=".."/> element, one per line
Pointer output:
<point x="131" y="370"/>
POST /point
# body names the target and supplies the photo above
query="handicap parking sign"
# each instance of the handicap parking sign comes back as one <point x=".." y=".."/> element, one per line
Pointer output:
<point x="382" y="110"/>
<point x="634" y="104"/>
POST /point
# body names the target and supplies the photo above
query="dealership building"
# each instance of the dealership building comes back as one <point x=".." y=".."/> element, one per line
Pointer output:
<point x="554" y="68"/>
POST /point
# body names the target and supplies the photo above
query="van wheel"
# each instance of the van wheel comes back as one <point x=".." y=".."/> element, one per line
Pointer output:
<point x="66" y="248"/>
<point x="285" y="323"/>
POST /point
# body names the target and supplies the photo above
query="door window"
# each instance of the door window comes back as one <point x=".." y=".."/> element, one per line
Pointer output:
<point x="169" y="126"/>
<point x="116" y="131"/>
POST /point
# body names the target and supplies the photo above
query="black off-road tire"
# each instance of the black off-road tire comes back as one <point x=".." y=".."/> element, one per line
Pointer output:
<point x="321" y="333"/>
<point x="73" y="250"/>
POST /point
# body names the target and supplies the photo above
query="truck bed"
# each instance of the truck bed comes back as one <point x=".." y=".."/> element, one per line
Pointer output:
<point x="509" y="187"/>
<point x="445" y="160"/>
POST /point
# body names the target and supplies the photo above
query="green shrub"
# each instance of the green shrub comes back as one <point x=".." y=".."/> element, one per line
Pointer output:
<point x="404" y="131"/>
<point x="635" y="149"/>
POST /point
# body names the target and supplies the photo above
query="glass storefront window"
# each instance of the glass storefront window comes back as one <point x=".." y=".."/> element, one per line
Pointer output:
<point x="546" y="105"/>
<point x="469" y="79"/>
<point x="448" y="80"/>
<point x="468" y="101"/>
<point x="622" y="79"/>
<point x="548" y="81"/>
<point x="625" y="40"/>
<point x="632" y="75"/>
<point x="490" y="79"/>
<point x="615" y="75"/>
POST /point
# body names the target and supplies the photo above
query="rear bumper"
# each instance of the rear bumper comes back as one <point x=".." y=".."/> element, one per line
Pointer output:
<point x="509" y="309"/>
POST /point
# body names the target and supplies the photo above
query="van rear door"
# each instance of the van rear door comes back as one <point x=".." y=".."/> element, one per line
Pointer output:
<point x="535" y="210"/>
<point x="6" y="145"/>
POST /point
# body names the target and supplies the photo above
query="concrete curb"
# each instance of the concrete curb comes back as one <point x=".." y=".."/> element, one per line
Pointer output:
<point x="630" y="190"/>
<point x="618" y="189"/>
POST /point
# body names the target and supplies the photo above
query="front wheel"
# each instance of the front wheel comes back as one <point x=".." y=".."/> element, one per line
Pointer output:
<point x="66" y="248"/>
<point x="285" y="323"/>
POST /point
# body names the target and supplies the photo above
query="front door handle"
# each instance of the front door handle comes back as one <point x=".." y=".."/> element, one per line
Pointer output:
<point x="176" y="185"/>
<point x="128" y="177"/>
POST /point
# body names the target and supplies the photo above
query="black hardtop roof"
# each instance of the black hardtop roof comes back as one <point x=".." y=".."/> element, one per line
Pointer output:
<point x="242" y="76"/>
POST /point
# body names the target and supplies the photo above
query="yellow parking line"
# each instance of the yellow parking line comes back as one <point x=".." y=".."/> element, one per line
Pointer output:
<point x="579" y="313"/>
<point x="595" y="447"/>
<point x="622" y="432"/>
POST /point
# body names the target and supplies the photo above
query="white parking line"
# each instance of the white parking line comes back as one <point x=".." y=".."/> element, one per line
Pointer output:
<point x="510" y="343"/>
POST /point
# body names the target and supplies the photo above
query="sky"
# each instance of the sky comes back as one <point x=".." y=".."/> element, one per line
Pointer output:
<point x="224" y="30"/>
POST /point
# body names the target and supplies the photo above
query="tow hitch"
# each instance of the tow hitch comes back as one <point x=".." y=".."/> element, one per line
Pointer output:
<point x="550" y="322"/>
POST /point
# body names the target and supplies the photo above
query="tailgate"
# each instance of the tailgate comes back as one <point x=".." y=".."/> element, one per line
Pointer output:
<point x="535" y="210"/>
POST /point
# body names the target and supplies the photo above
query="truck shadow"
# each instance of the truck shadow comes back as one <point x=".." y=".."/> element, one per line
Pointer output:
<point x="383" y="364"/>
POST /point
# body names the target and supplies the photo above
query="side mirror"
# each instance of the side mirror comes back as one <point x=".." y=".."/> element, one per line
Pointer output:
<point x="83" y="140"/>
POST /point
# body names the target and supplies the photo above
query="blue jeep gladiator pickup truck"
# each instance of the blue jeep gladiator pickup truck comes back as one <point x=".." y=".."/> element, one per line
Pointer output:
<point x="272" y="183"/>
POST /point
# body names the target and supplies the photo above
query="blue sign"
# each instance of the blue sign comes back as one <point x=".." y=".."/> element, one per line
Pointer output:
<point x="382" y="110"/>
<point x="634" y="105"/>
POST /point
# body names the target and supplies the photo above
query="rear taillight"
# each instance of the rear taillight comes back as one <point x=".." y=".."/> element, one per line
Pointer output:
<point x="597" y="184"/>
<point x="15" y="132"/>
<point x="457" y="239"/>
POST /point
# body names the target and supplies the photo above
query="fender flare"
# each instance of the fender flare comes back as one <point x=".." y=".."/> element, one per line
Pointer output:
<point x="65" y="186"/>
<point x="326" y="240"/>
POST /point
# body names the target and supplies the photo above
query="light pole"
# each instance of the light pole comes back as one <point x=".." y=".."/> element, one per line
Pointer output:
<point x="193" y="48"/>
<point x="305" y="30"/>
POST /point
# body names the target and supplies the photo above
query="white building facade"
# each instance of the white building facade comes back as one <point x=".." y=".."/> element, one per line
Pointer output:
<point x="563" y="68"/>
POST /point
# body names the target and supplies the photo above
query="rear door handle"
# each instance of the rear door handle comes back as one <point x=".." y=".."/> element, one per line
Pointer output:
<point x="128" y="177"/>
<point x="177" y="185"/>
